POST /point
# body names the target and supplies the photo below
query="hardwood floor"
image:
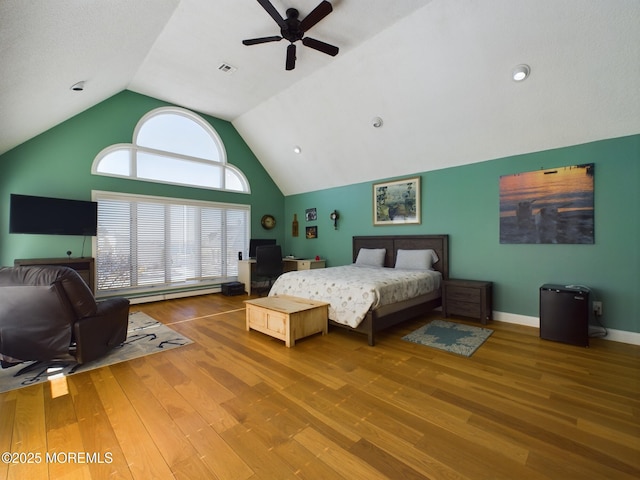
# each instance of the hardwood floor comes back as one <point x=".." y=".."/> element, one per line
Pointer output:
<point x="240" y="405"/>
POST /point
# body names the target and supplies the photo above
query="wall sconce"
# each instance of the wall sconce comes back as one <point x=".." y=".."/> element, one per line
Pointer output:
<point x="334" y="216"/>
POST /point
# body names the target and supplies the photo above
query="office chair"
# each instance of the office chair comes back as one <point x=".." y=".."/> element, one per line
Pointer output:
<point x="268" y="266"/>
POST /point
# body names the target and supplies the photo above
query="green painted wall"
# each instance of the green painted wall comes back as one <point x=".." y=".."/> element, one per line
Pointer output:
<point x="58" y="162"/>
<point x="464" y="203"/>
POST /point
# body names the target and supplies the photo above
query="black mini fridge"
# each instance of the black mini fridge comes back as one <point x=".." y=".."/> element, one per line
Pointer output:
<point x="564" y="314"/>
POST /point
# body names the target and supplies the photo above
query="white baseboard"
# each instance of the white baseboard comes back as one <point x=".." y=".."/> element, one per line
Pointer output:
<point x="173" y="295"/>
<point x="621" y="336"/>
<point x="517" y="319"/>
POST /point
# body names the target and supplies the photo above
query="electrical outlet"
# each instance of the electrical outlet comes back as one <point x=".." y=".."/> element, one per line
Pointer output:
<point x="597" y="308"/>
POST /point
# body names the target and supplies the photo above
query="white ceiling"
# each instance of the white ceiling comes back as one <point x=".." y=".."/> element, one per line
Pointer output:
<point x="437" y="72"/>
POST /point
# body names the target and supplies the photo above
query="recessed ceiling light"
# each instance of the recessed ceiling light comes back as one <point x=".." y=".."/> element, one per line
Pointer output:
<point x="520" y="73"/>
<point x="78" y="87"/>
<point x="297" y="149"/>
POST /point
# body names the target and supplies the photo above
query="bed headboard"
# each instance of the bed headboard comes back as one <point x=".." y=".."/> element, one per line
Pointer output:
<point x="393" y="243"/>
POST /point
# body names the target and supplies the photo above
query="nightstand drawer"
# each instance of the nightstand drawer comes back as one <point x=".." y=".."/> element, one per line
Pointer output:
<point x="464" y="294"/>
<point x="466" y="309"/>
<point x="310" y="264"/>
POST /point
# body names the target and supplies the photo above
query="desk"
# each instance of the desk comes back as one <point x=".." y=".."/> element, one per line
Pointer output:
<point x="246" y="268"/>
<point x="85" y="266"/>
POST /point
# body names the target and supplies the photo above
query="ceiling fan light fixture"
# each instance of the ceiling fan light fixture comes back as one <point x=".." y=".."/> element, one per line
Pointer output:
<point x="520" y="73"/>
<point x="293" y="29"/>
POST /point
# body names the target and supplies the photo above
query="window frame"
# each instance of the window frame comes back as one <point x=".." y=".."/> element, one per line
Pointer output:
<point x="133" y="148"/>
<point x="227" y="258"/>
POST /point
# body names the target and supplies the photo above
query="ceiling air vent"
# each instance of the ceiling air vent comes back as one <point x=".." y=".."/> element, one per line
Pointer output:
<point x="226" y="68"/>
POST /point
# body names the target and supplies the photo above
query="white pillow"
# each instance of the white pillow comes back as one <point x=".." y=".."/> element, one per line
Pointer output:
<point x="416" y="259"/>
<point x="373" y="257"/>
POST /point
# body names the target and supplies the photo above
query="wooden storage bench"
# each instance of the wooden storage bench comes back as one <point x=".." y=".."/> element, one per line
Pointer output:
<point x="287" y="318"/>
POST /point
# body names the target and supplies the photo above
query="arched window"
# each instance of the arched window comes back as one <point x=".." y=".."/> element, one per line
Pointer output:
<point x="175" y="146"/>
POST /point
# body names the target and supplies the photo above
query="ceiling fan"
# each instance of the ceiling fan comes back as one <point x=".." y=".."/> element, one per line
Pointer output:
<point x="293" y="29"/>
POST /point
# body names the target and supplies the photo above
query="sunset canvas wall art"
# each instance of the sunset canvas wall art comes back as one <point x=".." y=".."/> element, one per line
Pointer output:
<point x="548" y="206"/>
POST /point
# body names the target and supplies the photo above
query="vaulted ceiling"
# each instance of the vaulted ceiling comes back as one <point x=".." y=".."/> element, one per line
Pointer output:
<point x="438" y="73"/>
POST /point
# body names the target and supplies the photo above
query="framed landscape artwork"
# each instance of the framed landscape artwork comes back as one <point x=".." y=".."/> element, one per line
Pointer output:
<point x="396" y="202"/>
<point x="548" y="206"/>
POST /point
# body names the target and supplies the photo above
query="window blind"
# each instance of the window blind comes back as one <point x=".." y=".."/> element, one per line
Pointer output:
<point x="147" y="244"/>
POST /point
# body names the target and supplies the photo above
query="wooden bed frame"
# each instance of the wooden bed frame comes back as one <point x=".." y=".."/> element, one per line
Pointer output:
<point x="377" y="320"/>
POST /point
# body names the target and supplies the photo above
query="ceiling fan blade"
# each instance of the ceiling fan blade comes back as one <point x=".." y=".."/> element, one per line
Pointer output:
<point x="271" y="10"/>
<point x="291" y="57"/>
<point x="316" y="15"/>
<point x="320" y="46"/>
<point x="255" y="41"/>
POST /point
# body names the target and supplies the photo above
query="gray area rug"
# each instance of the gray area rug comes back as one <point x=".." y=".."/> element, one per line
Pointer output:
<point x="449" y="336"/>
<point x="145" y="336"/>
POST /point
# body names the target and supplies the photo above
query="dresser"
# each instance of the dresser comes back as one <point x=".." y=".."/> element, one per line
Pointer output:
<point x="467" y="298"/>
<point x="85" y="266"/>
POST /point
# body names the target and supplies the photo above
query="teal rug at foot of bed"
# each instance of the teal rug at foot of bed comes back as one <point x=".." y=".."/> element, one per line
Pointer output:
<point x="449" y="336"/>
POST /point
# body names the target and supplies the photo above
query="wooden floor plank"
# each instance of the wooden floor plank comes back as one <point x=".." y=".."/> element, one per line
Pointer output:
<point x="29" y="437"/>
<point x="340" y="460"/>
<point x="7" y="419"/>
<point x="220" y="459"/>
<point x="305" y="464"/>
<point x="96" y="430"/>
<point x="173" y="445"/>
<point x="66" y="452"/>
<point x="142" y="454"/>
<point x="260" y="457"/>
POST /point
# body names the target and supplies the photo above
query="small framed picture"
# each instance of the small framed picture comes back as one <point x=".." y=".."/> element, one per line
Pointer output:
<point x="397" y="202"/>
<point x="310" y="215"/>
<point x="312" y="232"/>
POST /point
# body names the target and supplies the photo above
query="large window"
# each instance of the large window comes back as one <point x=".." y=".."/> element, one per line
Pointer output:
<point x="172" y="145"/>
<point x="147" y="244"/>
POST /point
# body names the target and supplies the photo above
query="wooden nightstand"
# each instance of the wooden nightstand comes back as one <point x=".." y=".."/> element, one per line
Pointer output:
<point x="468" y="298"/>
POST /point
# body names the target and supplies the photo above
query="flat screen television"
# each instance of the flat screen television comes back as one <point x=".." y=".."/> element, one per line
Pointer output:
<point x="259" y="242"/>
<point x="52" y="216"/>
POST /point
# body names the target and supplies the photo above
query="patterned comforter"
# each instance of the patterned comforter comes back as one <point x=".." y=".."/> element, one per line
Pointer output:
<point x="353" y="290"/>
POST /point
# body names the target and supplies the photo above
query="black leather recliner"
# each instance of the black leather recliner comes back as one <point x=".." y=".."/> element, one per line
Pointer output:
<point x="48" y="313"/>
